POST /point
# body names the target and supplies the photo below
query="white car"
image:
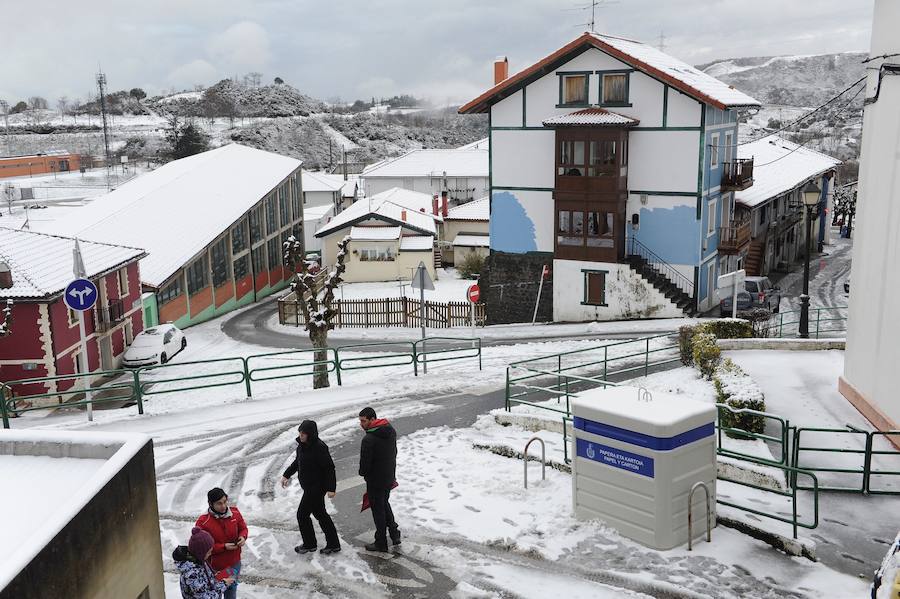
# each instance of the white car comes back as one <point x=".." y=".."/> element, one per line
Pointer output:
<point x="156" y="345"/>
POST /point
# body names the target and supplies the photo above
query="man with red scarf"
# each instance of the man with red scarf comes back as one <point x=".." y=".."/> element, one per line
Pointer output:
<point x="378" y="466"/>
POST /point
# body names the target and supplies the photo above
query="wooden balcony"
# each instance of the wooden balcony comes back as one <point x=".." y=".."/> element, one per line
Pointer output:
<point x="734" y="238"/>
<point x="737" y="174"/>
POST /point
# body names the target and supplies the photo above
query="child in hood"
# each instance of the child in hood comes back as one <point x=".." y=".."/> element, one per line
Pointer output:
<point x="198" y="581"/>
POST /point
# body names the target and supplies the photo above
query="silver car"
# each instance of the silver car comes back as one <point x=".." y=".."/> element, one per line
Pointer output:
<point x="758" y="293"/>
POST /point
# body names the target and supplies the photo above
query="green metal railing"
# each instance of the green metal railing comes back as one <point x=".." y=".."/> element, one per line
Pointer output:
<point x="863" y="454"/>
<point x="553" y="376"/>
<point x="790" y="473"/>
<point x="822" y="322"/>
<point x="135" y="385"/>
<point x="781" y="436"/>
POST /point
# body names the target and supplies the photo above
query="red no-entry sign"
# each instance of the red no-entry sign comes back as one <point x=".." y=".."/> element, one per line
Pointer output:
<point x="474" y="294"/>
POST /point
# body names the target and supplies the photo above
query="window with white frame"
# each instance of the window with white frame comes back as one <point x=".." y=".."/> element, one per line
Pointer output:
<point x="726" y="209"/>
<point x="729" y="146"/>
<point x="385" y="254"/>
<point x="714" y="150"/>
<point x="122" y="276"/>
<point x="711" y="218"/>
<point x="73" y="317"/>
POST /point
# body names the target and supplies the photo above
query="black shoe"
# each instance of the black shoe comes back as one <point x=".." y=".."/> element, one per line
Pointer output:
<point x="395" y="537"/>
<point x="301" y="549"/>
<point x="330" y="550"/>
<point x="377" y="547"/>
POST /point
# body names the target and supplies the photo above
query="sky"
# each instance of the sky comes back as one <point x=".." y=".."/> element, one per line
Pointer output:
<point x="342" y="49"/>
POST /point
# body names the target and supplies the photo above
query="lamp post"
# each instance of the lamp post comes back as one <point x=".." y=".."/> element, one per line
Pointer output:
<point x="811" y="195"/>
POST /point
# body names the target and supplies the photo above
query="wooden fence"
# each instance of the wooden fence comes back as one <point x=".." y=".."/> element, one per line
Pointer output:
<point x="387" y="312"/>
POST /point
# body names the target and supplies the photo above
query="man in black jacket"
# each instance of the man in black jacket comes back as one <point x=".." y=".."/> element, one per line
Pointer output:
<point x="378" y="465"/>
<point x="315" y="470"/>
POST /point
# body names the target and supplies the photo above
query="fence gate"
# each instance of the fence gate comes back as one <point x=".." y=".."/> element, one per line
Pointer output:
<point x="849" y="459"/>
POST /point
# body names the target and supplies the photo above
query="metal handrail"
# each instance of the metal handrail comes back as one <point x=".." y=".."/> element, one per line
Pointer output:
<point x="543" y="459"/>
<point x="698" y="485"/>
<point x="661" y="266"/>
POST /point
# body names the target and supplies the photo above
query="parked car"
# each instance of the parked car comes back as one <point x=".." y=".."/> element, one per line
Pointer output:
<point x="156" y="345"/>
<point x="759" y="293"/>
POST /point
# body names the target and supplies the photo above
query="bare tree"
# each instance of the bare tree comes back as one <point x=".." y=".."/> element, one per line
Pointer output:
<point x="5" y="326"/>
<point x="37" y="103"/>
<point x="255" y="78"/>
<point x="315" y="302"/>
<point x="63" y="105"/>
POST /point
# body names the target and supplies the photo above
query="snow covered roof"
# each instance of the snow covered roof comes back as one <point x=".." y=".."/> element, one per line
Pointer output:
<point x="181" y="207"/>
<point x="778" y="167"/>
<point x="322" y="182"/>
<point x="349" y="188"/>
<point x="36" y="465"/>
<point x="416" y="243"/>
<point x="645" y="58"/>
<point x="479" y="209"/>
<point x="481" y="144"/>
<point x="317" y="212"/>
<point x="41" y="264"/>
<point x="374" y="233"/>
<point x="596" y="117"/>
<point x="432" y="163"/>
<point x="468" y="240"/>
<point x="389" y="206"/>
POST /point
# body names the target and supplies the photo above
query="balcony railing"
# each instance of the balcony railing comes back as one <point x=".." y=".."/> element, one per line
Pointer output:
<point x="737" y="174"/>
<point x="734" y="237"/>
<point x="110" y="315"/>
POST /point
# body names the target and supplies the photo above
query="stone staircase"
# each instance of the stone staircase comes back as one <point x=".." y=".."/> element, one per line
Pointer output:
<point x="663" y="284"/>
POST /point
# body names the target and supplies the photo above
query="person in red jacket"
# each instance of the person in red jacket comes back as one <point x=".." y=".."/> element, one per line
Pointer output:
<point x="228" y="530"/>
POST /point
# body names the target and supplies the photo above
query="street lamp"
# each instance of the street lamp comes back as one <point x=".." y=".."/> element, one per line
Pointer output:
<point x="811" y="196"/>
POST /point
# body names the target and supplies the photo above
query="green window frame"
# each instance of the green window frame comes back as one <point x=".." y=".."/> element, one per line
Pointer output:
<point x="594" y="287"/>
<point x="600" y="78"/>
<point x="587" y="89"/>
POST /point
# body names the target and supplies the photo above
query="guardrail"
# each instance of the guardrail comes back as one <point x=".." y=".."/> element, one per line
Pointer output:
<point x="135" y="385"/>
<point x="822" y="322"/>
<point x="554" y="375"/>
<point x="782" y="438"/>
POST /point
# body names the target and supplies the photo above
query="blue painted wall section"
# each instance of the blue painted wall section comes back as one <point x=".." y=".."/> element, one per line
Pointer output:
<point x="670" y="233"/>
<point x="511" y="229"/>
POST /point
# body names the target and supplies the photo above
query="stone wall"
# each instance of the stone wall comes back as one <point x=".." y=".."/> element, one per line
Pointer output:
<point x="510" y="287"/>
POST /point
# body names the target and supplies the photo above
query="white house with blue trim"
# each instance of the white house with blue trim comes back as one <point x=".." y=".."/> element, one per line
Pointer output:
<point x="615" y="164"/>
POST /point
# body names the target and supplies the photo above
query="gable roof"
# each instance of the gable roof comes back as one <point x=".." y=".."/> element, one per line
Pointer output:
<point x="479" y="209"/>
<point x="457" y="162"/>
<point x="322" y="181"/>
<point x="647" y="59"/>
<point x="389" y="207"/>
<point x="178" y="209"/>
<point x="41" y="264"/>
<point x="779" y="166"/>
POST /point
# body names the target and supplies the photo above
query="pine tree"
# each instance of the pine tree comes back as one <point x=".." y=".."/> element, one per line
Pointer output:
<point x="185" y="140"/>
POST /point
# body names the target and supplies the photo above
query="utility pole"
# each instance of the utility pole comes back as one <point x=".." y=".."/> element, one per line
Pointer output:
<point x="101" y="83"/>
<point x="5" y="106"/>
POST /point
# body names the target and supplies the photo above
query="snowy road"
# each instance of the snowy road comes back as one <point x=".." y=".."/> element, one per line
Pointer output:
<point x="827" y="275"/>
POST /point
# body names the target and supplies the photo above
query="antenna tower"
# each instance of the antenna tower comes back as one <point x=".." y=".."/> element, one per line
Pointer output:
<point x="101" y="83"/>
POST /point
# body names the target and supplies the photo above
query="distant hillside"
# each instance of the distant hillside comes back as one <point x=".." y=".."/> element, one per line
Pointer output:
<point x="234" y="100"/>
<point x="790" y="80"/>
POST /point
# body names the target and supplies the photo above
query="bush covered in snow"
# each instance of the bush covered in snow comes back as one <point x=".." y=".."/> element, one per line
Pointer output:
<point x="470" y="266"/>
<point x="706" y="353"/>
<point x="760" y="320"/>
<point x="685" y="345"/>
<point x="728" y="328"/>
<point x="737" y="390"/>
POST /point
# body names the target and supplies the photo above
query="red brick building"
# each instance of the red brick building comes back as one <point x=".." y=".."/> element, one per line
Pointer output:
<point x="39" y="164"/>
<point x="45" y="340"/>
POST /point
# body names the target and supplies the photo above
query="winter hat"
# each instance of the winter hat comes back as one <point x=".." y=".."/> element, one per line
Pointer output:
<point x="311" y="429"/>
<point x="200" y="544"/>
<point x="215" y="494"/>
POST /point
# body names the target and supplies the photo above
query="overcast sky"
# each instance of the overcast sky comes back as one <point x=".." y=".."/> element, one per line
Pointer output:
<point x="355" y="49"/>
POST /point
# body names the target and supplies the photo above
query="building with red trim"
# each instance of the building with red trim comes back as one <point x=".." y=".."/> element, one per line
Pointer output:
<point x="44" y="339"/>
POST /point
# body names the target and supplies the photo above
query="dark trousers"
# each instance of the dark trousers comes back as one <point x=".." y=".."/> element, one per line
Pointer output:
<point x="382" y="514"/>
<point x="313" y="503"/>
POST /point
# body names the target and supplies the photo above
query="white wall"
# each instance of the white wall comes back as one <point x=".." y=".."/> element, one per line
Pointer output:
<point x="318" y="198"/>
<point x="508" y="111"/>
<point x="523" y="158"/>
<point x="663" y="160"/>
<point x="429" y="185"/>
<point x="682" y="110"/>
<point x="627" y="294"/>
<point x="873" y="350"/>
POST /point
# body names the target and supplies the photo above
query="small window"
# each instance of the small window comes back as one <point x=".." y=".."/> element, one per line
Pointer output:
<point x="729" y="146"/>
<point x="711" y="218"/>
<point x="376" y="254"/>
<point x="614" y="88"/>
<point x="73" y="317"/>
<point x="241" y="268"/>
<point x="714" y="151"/>
<point x="574" y="90"/>
<point x="600" y="229"/>
<point x="220" y="263"/>
<point x="274" y="254"/>
<point x="256" y="217"/>
<point x="258" y="258"/>
<point x="284" y="206"/>
<point x="238" y="238"/>
<point x="170" y="291"/>
<point x="594" y="287"/>
<point x="571" y="158"/>
<point x="602" y="159"/>
<point x="571" y="228"/>
<point x="762" y="216"/>
<point x="271" y="216"/>
<point x="196" y="276"/>
<point x="122" y="276"/>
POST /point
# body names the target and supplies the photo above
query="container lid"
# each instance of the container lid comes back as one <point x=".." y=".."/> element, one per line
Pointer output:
<point x="654" y="413"/>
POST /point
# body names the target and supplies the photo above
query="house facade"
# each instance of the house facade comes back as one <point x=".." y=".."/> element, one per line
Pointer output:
<point x="39" y="164"/>
<point x="614" y="165"/>
<point x="461" y="173"/>
<point x="466" y="231"/>
<point x="45" y="338"/>
<point x="213" y="225"/>
<point x="769" y="227"/>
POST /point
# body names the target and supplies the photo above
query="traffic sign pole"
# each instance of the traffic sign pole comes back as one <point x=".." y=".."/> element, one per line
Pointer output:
<point x="86" y="371"/>
<point x="421" y="274"/>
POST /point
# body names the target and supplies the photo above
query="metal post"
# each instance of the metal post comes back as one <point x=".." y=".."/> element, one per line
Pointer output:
<point x="537" y="302"/>
<point x="86" y="370"/>
<point x="337" y="366"/>
<point x="804" y="297"/>
<point x="701" y="485"/>
<point x="422" y="317"/>
<point x="3" y="412"/>
<point x="867" y="464"/>
<point x="543" y="458"/>
<point x="137" y="391"/>
<point x="647" y="357"/>
<point x="244" y="362"/>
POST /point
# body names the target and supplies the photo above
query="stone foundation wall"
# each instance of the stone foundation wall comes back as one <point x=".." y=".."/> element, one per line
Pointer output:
<point x="509" y="286"/>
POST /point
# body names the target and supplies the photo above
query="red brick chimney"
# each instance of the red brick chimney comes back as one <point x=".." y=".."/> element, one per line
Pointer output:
<point x="501" y="69"/>
<point x="444" y="207"/>
<point x="434" y="205"/>
<point x="403" y="215"/>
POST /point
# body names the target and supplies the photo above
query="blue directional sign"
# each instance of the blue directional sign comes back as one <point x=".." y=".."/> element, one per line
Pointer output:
<point x="80" y="295"/>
